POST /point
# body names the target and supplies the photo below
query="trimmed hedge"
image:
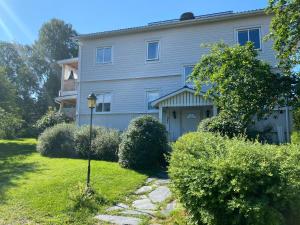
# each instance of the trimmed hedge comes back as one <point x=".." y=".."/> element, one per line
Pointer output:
<point x="223" y="181"/>
<point x="144" y="143"/>
<point x="57" y="141"/>
<point x="106" y="144"/>
<point x="296" y="137"/>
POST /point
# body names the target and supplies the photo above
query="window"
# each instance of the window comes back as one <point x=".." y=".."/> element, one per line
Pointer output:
<point x="151" y="96"/>
<point x="103" y="102"/>
<point x="187" y="72"/>
<point x="252" y="35"/>
<point x="103" y="55"/>
<point x="152" y="50"/>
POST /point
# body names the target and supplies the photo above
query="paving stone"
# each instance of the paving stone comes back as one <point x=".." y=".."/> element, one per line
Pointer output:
<point x="144" y="204"/>
<point x="143" y="190"/>
<point x="169" y="208"/>
<point x="138" y="212"/>
<point x="119" y="206"/>
<point x="119" y="220"/>
<point x="149" y="180"/>
<point x="160" y="194"/>
<point x="160" y="182"/>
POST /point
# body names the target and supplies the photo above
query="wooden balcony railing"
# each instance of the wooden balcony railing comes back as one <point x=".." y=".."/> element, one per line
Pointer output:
<point x="69" y="85"/>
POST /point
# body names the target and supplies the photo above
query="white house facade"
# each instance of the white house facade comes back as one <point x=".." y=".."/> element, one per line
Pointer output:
<point x="144" y="70"/>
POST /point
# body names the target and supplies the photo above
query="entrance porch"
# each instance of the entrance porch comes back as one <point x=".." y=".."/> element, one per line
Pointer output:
<point x="181" y="111"/>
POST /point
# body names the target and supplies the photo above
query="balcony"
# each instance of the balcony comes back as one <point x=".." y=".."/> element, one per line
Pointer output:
<point x="69" y="85"/>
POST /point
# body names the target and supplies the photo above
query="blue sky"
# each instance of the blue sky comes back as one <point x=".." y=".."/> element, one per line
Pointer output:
<point x="20" y="20"/>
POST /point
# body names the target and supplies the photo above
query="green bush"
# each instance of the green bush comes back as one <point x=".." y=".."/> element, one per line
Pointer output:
<point x="82" y="140"/>
<point x="296" y="117"/>
<point x="224" y="124"/>
<point x="144" y="143"/>
<point x="106" y="144"/>
<point x="57" y="141"/>
<point x="10" y="125"/>
<point x="223" y="181"/>
<point x="295" y="137"/>
<point x="51" y="118"/>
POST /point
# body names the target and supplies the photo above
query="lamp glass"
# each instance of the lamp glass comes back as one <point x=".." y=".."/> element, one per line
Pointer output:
<point x="92" y="101"/>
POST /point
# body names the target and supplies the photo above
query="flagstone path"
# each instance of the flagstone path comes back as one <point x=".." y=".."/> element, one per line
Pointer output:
<point x="149" y="200"/>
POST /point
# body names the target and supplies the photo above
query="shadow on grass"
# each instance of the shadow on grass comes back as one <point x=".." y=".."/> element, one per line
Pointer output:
<point x="13" y="166"/>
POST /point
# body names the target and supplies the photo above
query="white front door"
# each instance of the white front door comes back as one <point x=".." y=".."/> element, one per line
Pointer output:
<point x="173" y="123"/>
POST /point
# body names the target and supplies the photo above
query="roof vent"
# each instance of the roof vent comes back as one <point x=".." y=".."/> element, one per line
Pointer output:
<point x="187" y="16"/>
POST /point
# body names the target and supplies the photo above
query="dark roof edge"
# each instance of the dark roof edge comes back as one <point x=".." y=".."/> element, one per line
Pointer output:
<point x="171" y="25"/>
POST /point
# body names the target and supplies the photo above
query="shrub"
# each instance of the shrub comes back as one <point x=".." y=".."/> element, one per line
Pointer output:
<point x="143" y="144"/>
<point x="223" y="181"/>
<point x="296" y="117"/>
<point x="10" y="124"/>
<point x="82" y="140"/>
<point x="224" y="124"/>
<point x="57" y="141"/>
<point x="51" y="118"/>
<point x="295" y="137"/>
<point x="105" y="145"/>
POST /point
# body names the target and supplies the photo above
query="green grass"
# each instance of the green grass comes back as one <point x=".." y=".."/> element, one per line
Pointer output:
<point x="35" y="189"/>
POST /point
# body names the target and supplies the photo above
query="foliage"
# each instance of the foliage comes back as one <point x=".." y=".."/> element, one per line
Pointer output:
<point x="106" y="144"/>
<point x="143" y="144"/>
<point x="8" y="93"/>
<point x="10" y="124"/>
<point x="40" y="185"/>
<point x="295" y="137"/>
<point x="51" y="118"/>
<point x="296" y="118"/>
<point x="57" y="141"/>
<point x="222" y="181"/>
<point x="82" y="140"/>
<point x="83" y="197"/>
<point x="240" y="84"/>
<point x="285" y="31"/>
<point x="224" y="124"/>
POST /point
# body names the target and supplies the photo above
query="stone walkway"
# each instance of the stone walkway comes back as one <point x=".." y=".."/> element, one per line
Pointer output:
<point x="149" y="200"/>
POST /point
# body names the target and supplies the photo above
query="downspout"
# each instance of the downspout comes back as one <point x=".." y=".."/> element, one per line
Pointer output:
<point x="287" y="121"/>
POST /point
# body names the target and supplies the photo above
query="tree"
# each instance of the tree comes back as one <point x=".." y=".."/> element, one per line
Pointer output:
<point x="8" y="93"/>
<point x="240" y="84"/>
<point x="54" y="43"/>
<point x="285" y="31"/>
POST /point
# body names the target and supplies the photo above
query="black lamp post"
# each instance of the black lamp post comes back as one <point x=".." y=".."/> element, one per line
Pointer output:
<point x="91" y="104"/>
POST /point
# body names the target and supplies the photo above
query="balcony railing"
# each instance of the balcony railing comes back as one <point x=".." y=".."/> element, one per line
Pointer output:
<point x="69" y="85"/>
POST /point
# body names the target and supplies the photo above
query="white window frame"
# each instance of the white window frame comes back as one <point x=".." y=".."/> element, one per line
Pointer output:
<point x="111" y="96"/>
<point x="111" y="53"/>
<point x="184" y="74"/>
<point x="248" y="29"/>
<point x="147" y="91"/>
<point x="158" y="51"/>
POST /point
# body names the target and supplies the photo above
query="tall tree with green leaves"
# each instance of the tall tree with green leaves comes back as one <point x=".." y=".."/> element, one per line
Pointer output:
<point x="54" y="43"/>
<point x="241" y="85"/>
<point x="285" y="31"/>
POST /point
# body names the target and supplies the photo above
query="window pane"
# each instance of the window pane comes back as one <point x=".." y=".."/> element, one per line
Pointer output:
<point x="107" y="54"/>
<point x="151" y="96"/>
<point x="243" y="37"/>
<point x="100" y="55"/>
<point x="152" y="51"/>
<point x="187" y="72"/>
<point x="254" y="37"/>
<point x="99" y="107"/>
<point x="107" y="98"/>
<point x="106" y="107"/>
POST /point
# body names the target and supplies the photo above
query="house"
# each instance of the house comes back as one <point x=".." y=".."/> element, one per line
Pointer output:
<point x="144" y="70"/>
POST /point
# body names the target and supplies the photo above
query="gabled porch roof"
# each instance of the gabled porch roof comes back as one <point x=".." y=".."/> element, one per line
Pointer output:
<point x="184" y="96"/>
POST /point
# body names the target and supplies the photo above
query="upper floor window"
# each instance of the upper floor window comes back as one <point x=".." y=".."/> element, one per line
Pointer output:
<point x="152" y="50"/>
<point x="151" y="96"/>
<point x="187" y="71"/>
<point x="103" y="102"/>
<point x="250" y="34"/>
<point x="104" y="55"/>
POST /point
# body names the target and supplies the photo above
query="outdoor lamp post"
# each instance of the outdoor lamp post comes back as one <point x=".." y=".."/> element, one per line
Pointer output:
<point x="91" y="104"/>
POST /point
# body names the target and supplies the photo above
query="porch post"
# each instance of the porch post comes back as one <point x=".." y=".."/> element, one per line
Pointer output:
<point x="215" y="110"/>
<point x="160" y="113"/>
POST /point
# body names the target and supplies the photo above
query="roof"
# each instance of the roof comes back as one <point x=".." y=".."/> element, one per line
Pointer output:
<point x="173" y="23"/>
<point x="188" y="89"/>
<point x="67" y="61"/>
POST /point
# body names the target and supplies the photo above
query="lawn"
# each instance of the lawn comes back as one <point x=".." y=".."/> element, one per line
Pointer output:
<point x="35" y="189"/>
